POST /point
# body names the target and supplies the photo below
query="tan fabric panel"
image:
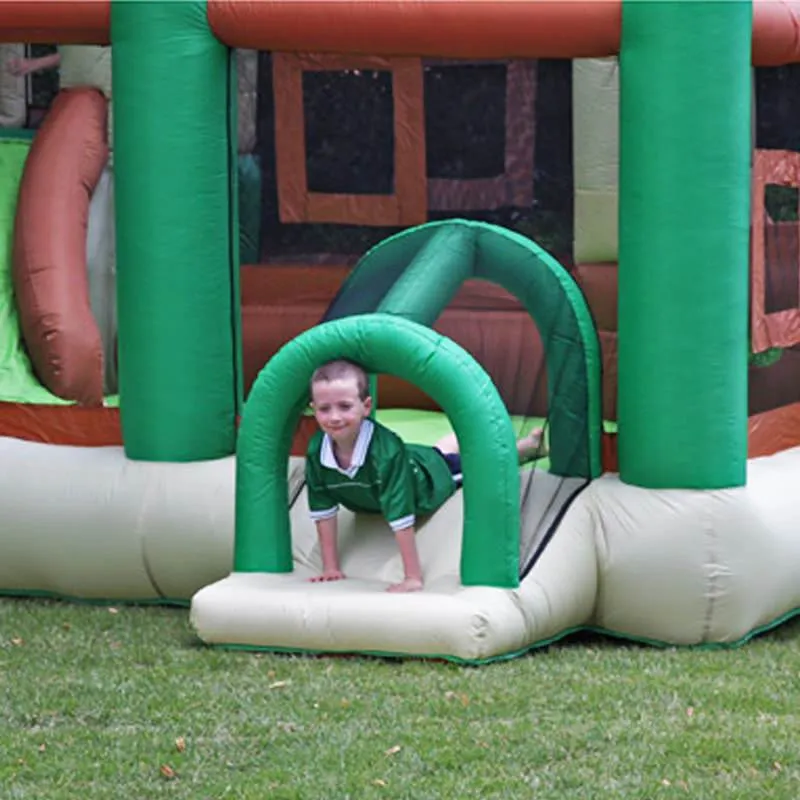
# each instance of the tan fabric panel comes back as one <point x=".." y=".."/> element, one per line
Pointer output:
<point x="85" y="65"/>
<point x="13" y="110"/>
<point x="596" y="224"/>
<point x="595" y="106"/>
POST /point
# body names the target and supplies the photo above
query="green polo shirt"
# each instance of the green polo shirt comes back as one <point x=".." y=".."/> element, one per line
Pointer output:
<point x="386" y="476"/>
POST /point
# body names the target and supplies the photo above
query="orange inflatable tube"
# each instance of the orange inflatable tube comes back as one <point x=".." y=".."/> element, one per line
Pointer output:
<point x="62" y="21"/>
<point x="49" y="256"/>
<point x="454" y="28"/>
<point x="465" y="28"/>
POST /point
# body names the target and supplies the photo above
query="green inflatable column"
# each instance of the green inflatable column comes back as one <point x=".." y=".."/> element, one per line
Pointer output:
<point x="176" y="255"/>
<point x="685" y="138"/>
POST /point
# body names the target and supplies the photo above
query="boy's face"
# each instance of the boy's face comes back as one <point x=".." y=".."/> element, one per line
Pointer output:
<point x="338" y="409"/>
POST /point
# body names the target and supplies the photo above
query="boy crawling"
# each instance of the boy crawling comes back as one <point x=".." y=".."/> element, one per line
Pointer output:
<point x="362" y="465"/>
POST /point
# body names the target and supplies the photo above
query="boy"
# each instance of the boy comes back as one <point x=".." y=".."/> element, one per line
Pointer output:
<point x="362" y="465"/>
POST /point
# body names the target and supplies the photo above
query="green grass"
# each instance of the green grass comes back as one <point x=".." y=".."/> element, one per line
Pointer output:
<point x="99" y="703"/>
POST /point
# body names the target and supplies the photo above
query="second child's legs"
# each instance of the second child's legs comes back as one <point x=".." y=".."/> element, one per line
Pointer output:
<point x="531" y="446"/>
<point x="528" y="447"/>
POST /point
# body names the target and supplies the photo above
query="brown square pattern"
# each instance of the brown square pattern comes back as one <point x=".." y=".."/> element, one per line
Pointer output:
<point x="408" y="205"/>
<point x="780" y="328"/>
<point x="414" y="195"/>
<point x="514" y="188"/>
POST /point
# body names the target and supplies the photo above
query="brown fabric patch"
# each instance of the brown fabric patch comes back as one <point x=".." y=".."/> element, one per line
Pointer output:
<point x="514" y="188"/>
<point x="598" y="282"/>
<point x="780" y="328"/>
<point x="66" y="425"/>
<point x="773" y="431"/>
<point x="408" y="205"/>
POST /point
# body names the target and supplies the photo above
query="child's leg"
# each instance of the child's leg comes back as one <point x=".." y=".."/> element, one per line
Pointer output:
<point x="531" y="446"/>
<point x="448" y="449"/>
<point x="528" y="447"/>
<point x="447" y="444"/>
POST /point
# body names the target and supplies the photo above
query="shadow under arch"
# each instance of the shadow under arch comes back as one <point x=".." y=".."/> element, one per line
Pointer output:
<point x="440" y="367"/>
<point x="416" y="273"/>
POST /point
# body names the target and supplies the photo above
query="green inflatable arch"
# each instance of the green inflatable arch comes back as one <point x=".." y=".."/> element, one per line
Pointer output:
<point x="440" y="367"/>
<point x="416" y="273"/>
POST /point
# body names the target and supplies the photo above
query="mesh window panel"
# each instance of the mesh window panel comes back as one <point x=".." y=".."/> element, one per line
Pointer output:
<point x="495" y="145"/>
<point x="782" y="249"/>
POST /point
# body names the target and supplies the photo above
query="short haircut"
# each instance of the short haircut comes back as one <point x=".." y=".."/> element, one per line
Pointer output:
<point x="341" y="369"/>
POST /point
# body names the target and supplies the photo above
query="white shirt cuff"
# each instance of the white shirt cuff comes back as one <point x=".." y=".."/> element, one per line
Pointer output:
<point x="326" y="514"/>
<point x="402" y="523"/>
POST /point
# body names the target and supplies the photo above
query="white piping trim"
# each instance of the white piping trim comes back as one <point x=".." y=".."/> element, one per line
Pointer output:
<point x="328" y="459"/>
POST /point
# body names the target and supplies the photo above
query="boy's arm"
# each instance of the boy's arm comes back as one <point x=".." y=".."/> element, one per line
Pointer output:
<point x="397" y="502"/>
<point x="324" y="511"/>
<point x="412" y="568"/>
<point x="25" y="66"/>
<point x="327" y="531"/>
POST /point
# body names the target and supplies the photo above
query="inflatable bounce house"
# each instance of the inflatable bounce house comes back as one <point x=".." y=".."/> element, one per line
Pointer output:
<point x="579" y="215"/>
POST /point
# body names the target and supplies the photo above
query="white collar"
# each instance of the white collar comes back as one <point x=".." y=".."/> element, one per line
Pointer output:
<point x="328" y="459"/>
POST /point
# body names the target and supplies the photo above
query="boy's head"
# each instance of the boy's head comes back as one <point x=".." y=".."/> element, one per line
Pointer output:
<point x="340" y="399"/>
<point x="341" y="370"/>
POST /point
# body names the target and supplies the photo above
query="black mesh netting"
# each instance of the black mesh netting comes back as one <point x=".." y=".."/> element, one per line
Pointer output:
<point x="531" y="393"/>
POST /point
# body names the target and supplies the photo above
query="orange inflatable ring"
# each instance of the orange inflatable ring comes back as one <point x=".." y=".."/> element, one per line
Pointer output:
<point x="49" y="258"/>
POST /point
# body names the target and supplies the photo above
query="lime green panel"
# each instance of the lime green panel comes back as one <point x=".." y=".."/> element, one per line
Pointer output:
<point x="175" y="251"/>
<point x="684" y="226"/>
<point x="549" y="294"/>
<point x="18" y="384"/>
<point x="490" y="549"/>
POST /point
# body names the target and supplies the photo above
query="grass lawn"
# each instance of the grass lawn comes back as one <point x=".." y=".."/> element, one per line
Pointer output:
<point x="123" y="704"/>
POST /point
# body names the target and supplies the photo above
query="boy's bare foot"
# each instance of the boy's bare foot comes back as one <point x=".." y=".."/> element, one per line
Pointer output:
<point x="407" y="585"/>
<point x="531" y="446"/>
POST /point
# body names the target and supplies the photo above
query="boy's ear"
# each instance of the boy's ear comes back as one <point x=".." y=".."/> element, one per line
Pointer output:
<point x="368" y="404"/>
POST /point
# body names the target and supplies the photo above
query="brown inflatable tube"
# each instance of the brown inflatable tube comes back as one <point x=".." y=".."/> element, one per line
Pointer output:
<point x="485" y="28"/>
<point x="49" y="258"/>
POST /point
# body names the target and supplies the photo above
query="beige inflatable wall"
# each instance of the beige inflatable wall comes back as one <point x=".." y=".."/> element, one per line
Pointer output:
<point x="12" y="89"/>
<point x="595" y="109"/>
<point x="84" y="65"/>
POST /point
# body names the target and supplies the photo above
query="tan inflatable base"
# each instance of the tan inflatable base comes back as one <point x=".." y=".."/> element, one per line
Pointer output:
<point x="85" y="522"/>
<point x="678" y="567"/>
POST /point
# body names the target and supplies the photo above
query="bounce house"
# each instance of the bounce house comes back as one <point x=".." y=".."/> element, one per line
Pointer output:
<point x="579" y="215"/>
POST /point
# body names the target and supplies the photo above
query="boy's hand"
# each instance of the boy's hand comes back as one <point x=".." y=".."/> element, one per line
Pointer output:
<point x="328" y="575"/>
<point x="18" y="66"/>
